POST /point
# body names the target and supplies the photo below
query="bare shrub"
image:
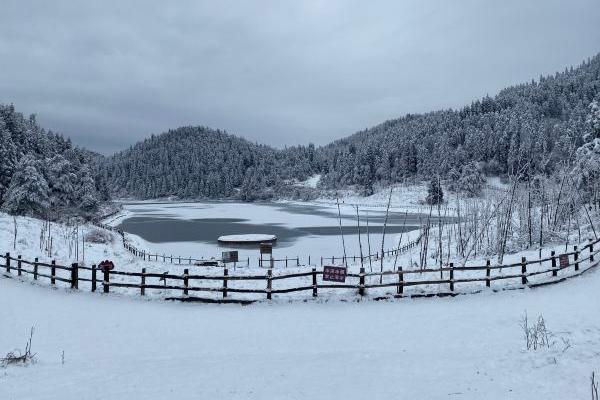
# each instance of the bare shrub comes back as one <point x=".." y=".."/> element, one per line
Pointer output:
<point x="536" y="336"/>
<point x="18" y="357"/>
<point x="594" y="387"/>
<point x="98" y="236"/>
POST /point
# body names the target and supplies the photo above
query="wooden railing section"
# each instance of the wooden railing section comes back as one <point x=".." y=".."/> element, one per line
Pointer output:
<point x="428" y="281"/>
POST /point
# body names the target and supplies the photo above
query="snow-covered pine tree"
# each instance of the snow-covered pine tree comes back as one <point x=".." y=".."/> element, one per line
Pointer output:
<point x="587" y="160"/>
<point x="435" y="194"/>
<point x="28" y="191"/>
<point x="8" y="158"/>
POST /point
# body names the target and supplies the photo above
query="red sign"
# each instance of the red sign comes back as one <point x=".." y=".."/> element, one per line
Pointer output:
<point x="334" y="274"/>
<point x="564" y="260"/>
<point x="106" y="265"/>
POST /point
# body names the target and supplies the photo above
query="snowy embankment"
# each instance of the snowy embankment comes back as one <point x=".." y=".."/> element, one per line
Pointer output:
<point x="470" y="347"/>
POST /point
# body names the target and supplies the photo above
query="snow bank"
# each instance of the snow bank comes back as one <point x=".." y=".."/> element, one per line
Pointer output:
<point x="248" y="238"/>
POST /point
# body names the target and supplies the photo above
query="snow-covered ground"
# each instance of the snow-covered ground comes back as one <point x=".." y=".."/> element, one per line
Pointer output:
<point x="123" y="346"/>
<point x="469" y="347"/>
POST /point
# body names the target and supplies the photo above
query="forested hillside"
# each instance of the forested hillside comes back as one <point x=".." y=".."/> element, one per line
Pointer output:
<point x="41" y="173"/>
<point x="532" y="128"/>
<point x="539" y="124"/>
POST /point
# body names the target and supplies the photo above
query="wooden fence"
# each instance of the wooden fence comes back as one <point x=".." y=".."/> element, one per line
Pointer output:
<point x="398" y="283"/>
<point x="270" y="262"/>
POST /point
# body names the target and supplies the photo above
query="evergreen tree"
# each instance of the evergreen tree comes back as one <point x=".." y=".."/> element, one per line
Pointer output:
<point x="8" y="157"/>
<point x="435" y="194"/>
<point x="28" y="191"/>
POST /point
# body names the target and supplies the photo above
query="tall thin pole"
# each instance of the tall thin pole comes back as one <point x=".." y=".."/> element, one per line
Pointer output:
<point x="387" y="212"/>
<point x="369" y="241"/>
<point x="400" y="241"/>
<point x="341" y="231"/>
<point x="359" y="240"/>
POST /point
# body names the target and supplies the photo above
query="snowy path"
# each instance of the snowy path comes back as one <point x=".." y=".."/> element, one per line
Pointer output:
<point x="469" y="347"/>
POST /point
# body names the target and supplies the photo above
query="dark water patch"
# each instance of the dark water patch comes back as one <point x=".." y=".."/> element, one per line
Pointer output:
<point x="164" y="227"/>
<point x="161" y="230"/>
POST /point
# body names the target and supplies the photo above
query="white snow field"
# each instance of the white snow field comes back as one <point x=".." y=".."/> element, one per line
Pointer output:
<point x="468" y="347"/>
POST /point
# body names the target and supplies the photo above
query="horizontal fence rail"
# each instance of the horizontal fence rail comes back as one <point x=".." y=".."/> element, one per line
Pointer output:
<point x="447" y="280"/>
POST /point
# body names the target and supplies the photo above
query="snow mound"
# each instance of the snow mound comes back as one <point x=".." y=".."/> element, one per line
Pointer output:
<point x="249" y="238"/>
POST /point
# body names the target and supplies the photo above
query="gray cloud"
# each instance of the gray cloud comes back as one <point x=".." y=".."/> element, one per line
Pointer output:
<point x="110" y="73"/>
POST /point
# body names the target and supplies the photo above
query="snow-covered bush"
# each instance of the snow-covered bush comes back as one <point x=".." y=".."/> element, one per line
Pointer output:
<point x="98" y="236"/>
<point x="469" y="181"/>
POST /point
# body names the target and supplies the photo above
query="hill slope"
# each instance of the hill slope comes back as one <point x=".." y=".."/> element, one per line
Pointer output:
<point x="538" y="125"/>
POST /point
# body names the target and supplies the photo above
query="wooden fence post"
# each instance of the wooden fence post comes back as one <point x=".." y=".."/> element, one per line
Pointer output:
<point x="314" y="282"/>
<point x="74" y="276"/>
<point x="269" y="283"/>
<point x="361" y="282"/>
<point x="452" y="277"/>
<point x="19" y="265"/>
<point x="35" y="268"/>
<point x="286" y="261"/>
<point x="225" y="275"/>
<point x="400" y="288"/>
<point x="7" y="262"/>
<point x="53" y="272"/>
<point x="185" y="281"/>
<point x="554" y="269"/>
<point x="576" y="258"/>
<point x="523" y="271"/>
<point x="106" y="280"/>
<point x="94" y="278"/>
<point x="143" y="284"/>
<point x="488" y="273"/>
<point x="591" y="251"/>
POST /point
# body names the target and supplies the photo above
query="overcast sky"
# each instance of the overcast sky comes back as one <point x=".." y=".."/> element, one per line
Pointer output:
<point x="278" y="72"/>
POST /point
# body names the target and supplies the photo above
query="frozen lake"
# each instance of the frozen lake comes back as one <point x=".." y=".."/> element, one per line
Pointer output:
<point x="192" y="229"/>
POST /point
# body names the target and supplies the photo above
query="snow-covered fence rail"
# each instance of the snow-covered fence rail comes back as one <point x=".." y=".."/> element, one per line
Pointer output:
<point x="448" y="280"/>
<point x="282" y="261"/>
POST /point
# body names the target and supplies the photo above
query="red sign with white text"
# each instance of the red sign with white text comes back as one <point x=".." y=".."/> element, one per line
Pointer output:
<point x="334" y="274"/>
